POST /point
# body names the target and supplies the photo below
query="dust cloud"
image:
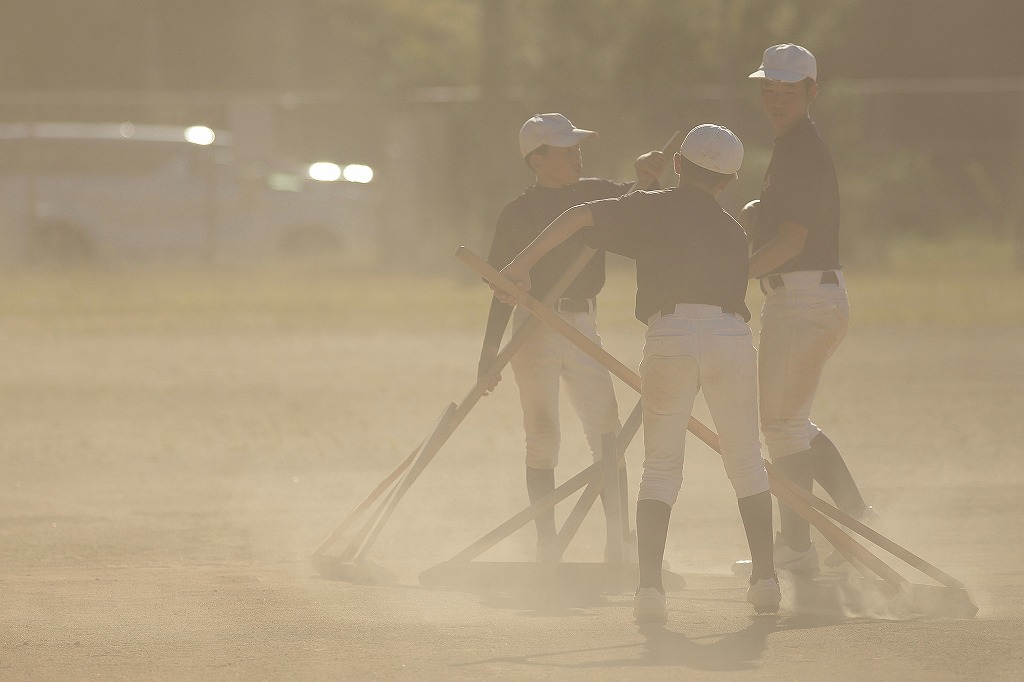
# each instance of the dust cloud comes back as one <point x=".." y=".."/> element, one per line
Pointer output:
<point x="178" y="442"/>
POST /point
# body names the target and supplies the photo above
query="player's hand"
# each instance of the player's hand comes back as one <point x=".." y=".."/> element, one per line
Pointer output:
<point x="649" y="168"/>
<point x="520" y="276"/>
<point x="484" y="376"/>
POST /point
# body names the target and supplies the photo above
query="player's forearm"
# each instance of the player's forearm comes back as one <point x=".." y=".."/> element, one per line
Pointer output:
<point x="497" y="322"/>
<point x="487" y="355"/>
<point x="560" y="229"/>
<point x="786" y="246"/>
<point x="766" y="260"/>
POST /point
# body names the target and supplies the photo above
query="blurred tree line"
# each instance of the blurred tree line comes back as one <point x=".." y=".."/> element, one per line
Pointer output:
<point x="922" y="100"/>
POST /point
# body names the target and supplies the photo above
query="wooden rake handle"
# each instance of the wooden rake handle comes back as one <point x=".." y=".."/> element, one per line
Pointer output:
<point x="471" y="398"/>
<point x="584" y="343"/>
<point x="859" y="555"/>
<point x="787" y="494"/>
<point x="869" y="533"/>
<point x="672" y="144"/>
<point x="344" y="524"/>
<point x="588" y="476"/>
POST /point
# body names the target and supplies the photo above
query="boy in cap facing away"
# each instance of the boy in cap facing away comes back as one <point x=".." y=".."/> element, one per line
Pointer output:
<point x="691" y="272"/>
<point x="550" y="145"/>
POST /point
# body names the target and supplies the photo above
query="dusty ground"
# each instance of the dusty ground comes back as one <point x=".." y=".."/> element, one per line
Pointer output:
<point x="168" y="469"/>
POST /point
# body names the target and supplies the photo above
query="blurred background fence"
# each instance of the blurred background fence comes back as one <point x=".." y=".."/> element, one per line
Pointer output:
<point x="922" y="103"/>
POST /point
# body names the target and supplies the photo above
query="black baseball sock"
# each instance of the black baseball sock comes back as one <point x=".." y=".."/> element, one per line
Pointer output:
<point x="651" y="532"/>
<point x="832" y="474"/>
<point x="756" y="513"/>
<point x="539" y="484"/>
<point x="795" y="529"/>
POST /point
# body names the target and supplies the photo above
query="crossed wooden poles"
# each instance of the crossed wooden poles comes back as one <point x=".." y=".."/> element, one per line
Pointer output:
<point x="389" y="492"/>
<point x="950" y="597"/>
<point x="818" y="512"/>
<point x="403" y="476"/>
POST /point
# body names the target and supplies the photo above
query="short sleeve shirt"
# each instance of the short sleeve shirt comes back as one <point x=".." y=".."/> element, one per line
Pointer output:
<point x="526" y="217"/>
<point x="687" y="248"/>
<point x="800" y="186"/>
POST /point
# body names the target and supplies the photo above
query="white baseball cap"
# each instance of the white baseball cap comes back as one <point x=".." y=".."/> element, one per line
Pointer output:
<point x="550" y="129"/>
<point x="787" y="63"/>
<point x="713" y="147"/>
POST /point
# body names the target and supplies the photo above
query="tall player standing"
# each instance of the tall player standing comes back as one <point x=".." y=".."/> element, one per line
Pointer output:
<point x="806" y="311"/>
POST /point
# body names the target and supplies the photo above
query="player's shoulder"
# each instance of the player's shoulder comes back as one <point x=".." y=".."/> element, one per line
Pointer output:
<point x="524" y="195"/>
<point x="729" y="220"/>
<point x="527" y="197"/>
<point x="725" y="223"/>
<point x="807" y="137"/>
<point x="806" y="155"/>
<point x="516" y="211"/>
<point x="653" y="199"/>
<point x="584" y="182"/>
<point x="600" y="188"/>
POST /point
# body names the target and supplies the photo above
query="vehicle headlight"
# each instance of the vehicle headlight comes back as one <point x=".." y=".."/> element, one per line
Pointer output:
<point x="199" y="135"/>
<point x="356" y="172"/>
<point x="324" y="171"/>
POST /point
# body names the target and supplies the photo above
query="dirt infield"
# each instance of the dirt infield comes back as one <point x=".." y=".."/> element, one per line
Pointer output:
<point x="170" y="460"/>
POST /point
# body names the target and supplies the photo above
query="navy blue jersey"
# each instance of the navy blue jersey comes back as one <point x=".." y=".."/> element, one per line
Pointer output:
<point x="800" y="186"/>
<point x="523" y="219"/>
<point x="687" y="248"/>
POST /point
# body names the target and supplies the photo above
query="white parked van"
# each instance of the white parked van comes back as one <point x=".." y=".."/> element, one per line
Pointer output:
<point x="120" y="193"/>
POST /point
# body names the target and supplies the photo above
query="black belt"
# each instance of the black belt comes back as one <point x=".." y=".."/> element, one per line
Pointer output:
<point x="671" y="309"/>
<point x="827" y="277"/>
<point x="575" y="305"/>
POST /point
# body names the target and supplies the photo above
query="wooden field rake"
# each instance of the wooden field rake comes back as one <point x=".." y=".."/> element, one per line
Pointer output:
<point x="949" y="598"/>
<point x="351" y="563"/>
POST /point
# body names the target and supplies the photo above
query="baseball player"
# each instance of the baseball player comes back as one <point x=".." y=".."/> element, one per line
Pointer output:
<point x="550" y="145"/>
<point x="691" y="274"/>
<point x="795" y="255"/>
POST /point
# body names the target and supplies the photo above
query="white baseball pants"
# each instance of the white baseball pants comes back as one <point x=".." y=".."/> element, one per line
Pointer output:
<point x="802" y="324"/>
<point x="545" y="360"/>
<point x="699" y="348"/>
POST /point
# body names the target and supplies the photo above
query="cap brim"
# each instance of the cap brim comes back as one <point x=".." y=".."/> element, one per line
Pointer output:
<point x="779" y="75"/>
<point x="573" y="138"/>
